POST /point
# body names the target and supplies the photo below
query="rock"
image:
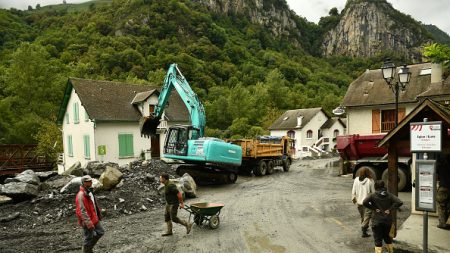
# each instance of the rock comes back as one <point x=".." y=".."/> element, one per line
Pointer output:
<point x="4" y="199"/>
<point x="143" y="208"/>
<point x="44" y="175"/>
<point x="121" y="200"/>
<point x="56" y="182"/>
<point x="10" y="217"/>
<point x="27" y="176"/>
<point x="75" y="170"/>
<point x="20" y="190"/>
<point x="110" y="178"/>
<point x="96" y="169"/>
<point x="188" y="185"/>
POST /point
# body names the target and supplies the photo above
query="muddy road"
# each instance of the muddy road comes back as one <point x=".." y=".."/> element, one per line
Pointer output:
<point x="307" y="209"/>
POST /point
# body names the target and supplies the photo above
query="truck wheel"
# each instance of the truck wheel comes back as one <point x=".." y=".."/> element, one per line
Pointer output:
<point x="401" y="178"/>
<point x="260" y="169"/>
<point x="270" y="168"/>
<point x="232" y="177"/>
<point x="286" y="165"/>
<point x="371" y="170"/>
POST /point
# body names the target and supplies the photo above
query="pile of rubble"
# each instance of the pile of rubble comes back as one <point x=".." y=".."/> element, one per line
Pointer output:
<point x="31" y="199"/>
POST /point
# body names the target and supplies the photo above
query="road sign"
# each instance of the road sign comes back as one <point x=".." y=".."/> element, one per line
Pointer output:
<point x="101" y="150"/>
<point x="426" y="136"/>
<point x="426" y="185"/>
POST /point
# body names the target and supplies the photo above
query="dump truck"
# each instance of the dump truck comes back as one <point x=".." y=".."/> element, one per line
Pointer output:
<point x="261" y="155"/>
<point x="362" y="151"/>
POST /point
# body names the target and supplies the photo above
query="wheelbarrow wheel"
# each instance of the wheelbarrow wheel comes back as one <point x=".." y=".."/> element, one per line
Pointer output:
<point x="214" y="222"/>
<point x="198" y="219"/>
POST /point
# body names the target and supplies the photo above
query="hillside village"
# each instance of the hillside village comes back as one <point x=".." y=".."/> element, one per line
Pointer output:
<point x="81" y="83"/>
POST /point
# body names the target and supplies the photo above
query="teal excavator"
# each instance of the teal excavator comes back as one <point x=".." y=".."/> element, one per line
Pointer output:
<point x="204" y="158"/>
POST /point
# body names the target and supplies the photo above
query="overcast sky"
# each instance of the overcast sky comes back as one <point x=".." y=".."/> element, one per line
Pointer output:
<point x="428" y="12"/>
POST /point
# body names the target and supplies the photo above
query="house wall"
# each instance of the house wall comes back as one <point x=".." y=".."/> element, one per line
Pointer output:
<point x="77" y="131"/>
<point x="297" y="139"/>
<point x="314" y="124"/>
<point x="107" y="133"/>
<point x="329" y="133"/>
<point x="359" y="120"/>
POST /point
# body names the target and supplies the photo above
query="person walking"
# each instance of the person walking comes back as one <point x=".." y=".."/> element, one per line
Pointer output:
<point x="382" y="203"/>
<point x="174" y="199"/>
<point x="88" y="214"/>
<point x="363" y="186"/>
<point x="443" y="192"/>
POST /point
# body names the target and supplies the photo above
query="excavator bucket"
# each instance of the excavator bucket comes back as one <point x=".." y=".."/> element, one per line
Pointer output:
<point x="148" y="125"/>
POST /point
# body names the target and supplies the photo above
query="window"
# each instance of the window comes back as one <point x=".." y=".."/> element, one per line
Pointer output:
<point x="309" y="134"/>
<point x="291" y="134"/>
<point x="76" y="116"/>
<point x="69" y="146"/>
<point x="86" y="116"/>
<point x="67" y="118"/>
<point x="335" y="133"/>
<point x="87" y="147"/>
<point x="126" y="145"/>
<point x="387" y="120"/>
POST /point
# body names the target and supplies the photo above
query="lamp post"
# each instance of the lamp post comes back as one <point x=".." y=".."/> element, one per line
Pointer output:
<point x="395" y="85"/>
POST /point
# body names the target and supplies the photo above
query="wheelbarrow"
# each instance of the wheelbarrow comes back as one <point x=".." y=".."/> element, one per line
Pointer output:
<point x="205" y="212"/>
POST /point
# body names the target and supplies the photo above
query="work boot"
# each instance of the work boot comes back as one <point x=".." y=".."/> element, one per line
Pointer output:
<point x="390" y="248"/>
<point x="364" y="232"/>
<point x="169" y="229"/>
<point x="187" y="225"/>
<point x="378" y="250"/>
<point x="87" y="249"/>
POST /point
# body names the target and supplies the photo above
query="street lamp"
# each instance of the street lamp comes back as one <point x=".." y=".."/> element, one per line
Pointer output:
<point x="404" y="76"/>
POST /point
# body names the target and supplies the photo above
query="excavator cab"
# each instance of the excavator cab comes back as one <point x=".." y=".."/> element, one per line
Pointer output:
<point x="177" y="139"/>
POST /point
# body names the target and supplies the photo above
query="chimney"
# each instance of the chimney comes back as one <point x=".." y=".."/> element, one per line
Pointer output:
<point x="299" y="121"/>
<point x="436" y="72"/>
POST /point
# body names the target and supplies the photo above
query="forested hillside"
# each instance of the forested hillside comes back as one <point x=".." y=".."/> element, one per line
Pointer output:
<point x="245" y="75"/>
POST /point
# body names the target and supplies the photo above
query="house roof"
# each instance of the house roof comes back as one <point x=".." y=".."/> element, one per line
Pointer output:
<point x="142" y="96"/>
<point x="371" y="89"/>
<point x="330" y="122"/>
<point x="438" y="91"/>
<point x="289" y="119"/>
<point x="112" y="101"/>
<point x="440" y="113"/>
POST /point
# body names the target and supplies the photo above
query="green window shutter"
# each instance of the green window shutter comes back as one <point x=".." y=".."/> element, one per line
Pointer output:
<point x="69" y="145"/>
<point x="126" y="145"/>
<point x="87" y="147"/>
<point x="76" y="116"/>
<point x="86" y="116"/>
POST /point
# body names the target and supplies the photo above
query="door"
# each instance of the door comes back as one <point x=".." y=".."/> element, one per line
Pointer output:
<point x="155" y="150"/>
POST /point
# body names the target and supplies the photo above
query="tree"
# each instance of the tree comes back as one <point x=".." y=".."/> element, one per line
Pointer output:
<point x="438" y="53"/>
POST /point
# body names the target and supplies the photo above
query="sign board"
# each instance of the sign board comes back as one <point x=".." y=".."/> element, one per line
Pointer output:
<point x="426" y="185"/>
<point x="426" y="136"/>
<point x="101" y="150"/>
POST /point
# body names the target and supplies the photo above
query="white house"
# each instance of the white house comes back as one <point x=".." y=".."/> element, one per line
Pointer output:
<point x="312" y="130"/>
<point x="100" y="121"/>
<point x="370" y="103"/>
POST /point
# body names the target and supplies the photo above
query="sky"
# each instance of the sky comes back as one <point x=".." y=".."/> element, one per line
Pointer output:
<point x="428" y="12"/>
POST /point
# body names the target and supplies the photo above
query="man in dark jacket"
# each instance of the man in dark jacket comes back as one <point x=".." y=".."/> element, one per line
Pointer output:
<point x="88" y="214"/>
<point x="174" y="199"/>
<point x="382" y="203"/>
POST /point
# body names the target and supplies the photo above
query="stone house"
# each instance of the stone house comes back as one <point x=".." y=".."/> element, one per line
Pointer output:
<point x="100" y="121"/>
<point x="313" y="131"/>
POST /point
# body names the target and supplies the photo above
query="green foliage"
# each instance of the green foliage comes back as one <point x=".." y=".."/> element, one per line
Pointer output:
<point x="439" y="36"/>
<point x="438" y="53"/>
<point x="49" y="140"/>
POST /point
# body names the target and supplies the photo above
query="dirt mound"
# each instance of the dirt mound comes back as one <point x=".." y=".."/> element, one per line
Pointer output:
<point x="136" y="193"/>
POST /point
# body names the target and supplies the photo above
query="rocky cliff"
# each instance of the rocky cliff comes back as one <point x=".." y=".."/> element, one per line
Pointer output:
<point x="273" y="14"/>
<point x="370" y="27"/>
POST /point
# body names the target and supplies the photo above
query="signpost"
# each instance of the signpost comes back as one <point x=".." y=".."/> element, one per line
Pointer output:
<point x="101" y="150"/>
<point x="426" y="137"/>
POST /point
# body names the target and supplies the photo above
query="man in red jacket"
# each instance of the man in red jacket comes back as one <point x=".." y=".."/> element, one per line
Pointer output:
<point x="88" y="213"/>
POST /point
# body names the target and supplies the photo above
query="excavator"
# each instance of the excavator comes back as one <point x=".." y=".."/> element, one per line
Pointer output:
<point x="206" y="159"/>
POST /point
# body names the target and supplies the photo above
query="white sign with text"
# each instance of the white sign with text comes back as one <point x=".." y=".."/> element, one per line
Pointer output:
<point x="426" y="136"/>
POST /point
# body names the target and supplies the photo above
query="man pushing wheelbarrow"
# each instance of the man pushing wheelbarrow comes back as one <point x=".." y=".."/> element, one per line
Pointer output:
<point x="174" y="199"/>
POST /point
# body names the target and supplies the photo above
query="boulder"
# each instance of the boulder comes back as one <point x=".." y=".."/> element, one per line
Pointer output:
<point x="4" y="199"/>
<point x="74" y="185"/>
<point x="188" y="185"/>
<point x="96" y="168"/>
<point x="56" y="182"/>
<point x="110" y="178"/>
<point x="75" y="170"/>
<point x="20" y="190"/>
<point x="44" y="175"/>
<point x="27" y="176"/>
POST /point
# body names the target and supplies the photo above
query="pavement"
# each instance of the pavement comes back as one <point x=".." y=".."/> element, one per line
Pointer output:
<point x="410" y="235"/>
